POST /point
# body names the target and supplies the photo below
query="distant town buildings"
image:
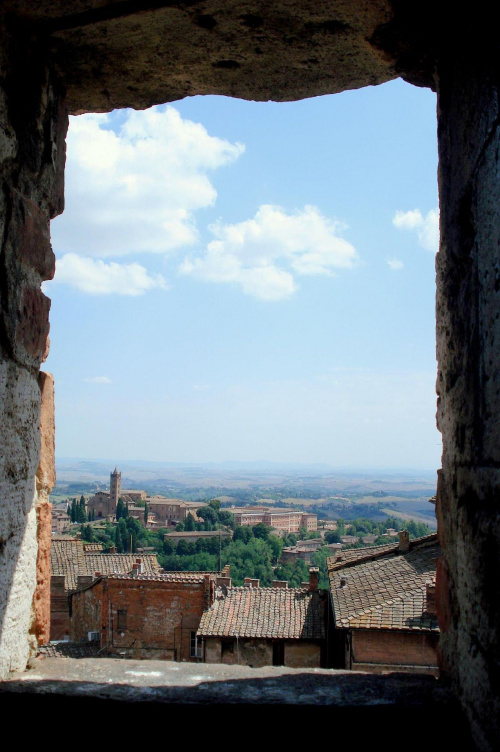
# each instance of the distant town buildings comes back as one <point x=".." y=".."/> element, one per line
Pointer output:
<point x="304" y="549"/>
<point x="285" y="521"/>
<point x="162" y="511"/>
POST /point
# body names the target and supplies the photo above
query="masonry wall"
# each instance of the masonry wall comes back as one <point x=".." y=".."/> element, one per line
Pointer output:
<point x="159" y="620"/>
<point x="259" y="652"/>
<point x="32" y="130"/>
<point x="59" y="614"/>
<point x="468" y="348"/>
<point x="394" y="648"/>
<point x="245" y="652"/>
<point x="302" y="654"/>
<point x="86" y="615"/>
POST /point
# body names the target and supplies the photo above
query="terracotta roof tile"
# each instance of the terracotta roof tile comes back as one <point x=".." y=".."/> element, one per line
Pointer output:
<point x="386" y="591"/>
<point x="68" y="558"/>
<point x="193" y="577"/>
<point x="278" y="613"/>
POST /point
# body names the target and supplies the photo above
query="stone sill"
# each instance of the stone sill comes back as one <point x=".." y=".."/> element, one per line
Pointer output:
<point x="201" y="683"/>
<point x="363" y="708"/>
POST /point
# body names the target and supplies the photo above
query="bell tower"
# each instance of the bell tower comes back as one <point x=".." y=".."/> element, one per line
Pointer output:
<point x="115" y="483"/>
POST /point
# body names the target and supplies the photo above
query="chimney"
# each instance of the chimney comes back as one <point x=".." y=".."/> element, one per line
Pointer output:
<point x="430" y="597"/>
<point x="313" y="579"/>
<point x="343" y="580"/>
<point x="97" y="574"/>
<point x="251" y="583"/>
<point x="404" y="541"/>
<point x="208" y="591"/>
<point x="279" y="584"/>
<point x="112" y="550"/>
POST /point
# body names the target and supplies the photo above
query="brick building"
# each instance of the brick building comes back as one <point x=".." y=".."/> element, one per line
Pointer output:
<point x="257" y="626"/>
<point x="383" y="603"/>
<point x="140" y="615"/>
<point x="73" y="563"/>
<point x="285" y="521"/>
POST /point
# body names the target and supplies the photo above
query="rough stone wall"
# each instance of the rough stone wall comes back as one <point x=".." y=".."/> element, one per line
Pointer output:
<point x="468" y="346"/>
<point x="32" y="130"/>
<point x="302" y="654"/>
<point x="246" y="652"/>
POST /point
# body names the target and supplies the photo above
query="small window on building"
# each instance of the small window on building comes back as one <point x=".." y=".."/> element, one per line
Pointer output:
<point x="195" y="649"/>
<point x="121" y="620"/>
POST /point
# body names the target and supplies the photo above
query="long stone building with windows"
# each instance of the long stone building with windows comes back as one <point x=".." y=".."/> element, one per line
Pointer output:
<point x="285" y="521"/>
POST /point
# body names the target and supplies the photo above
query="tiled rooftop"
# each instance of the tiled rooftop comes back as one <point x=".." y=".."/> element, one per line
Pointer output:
<point x="354" y="555"/>
<point x="385" y="591"/>
<point x="68" y="557"/>
<point x="195" y="577"/>
<point x="265" y="612"/>
<point x="117" y="563"/>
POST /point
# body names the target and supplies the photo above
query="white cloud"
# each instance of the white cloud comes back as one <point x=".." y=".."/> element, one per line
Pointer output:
<point x="98" y="380"/>
<point x="97" y="277"/>
<point x="252" y="253"/>
<point x="427" y="228"/>
<point x="137" y="190"/>
<point x="395" y="264"/>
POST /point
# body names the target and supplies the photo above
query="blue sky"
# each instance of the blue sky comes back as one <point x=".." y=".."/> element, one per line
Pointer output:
<point x="250" y="281"/>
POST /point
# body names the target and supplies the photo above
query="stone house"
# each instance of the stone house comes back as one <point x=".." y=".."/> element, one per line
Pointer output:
<point x="383" y="606"/>
<point x="256" y="626"/>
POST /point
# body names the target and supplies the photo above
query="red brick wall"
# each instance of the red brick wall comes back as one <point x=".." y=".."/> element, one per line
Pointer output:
<point x="394" y="648"/>
<point x="59" y="615"/>
<point x="160" y="617"/>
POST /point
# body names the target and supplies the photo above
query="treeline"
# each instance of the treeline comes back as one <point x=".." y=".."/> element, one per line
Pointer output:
<point x="253" y="552"/>
<point x="361" y="526"/>
<point x="76" y="511"/>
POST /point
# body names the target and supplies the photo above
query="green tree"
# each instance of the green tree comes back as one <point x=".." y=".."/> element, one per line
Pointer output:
<point x="340" y="526"/>
<point x="121" y="510"/>
<point x="332" y="536"/>
<point x="146" y="514"/>
<point x="261" y="531"/>
<point x="189" y="525"/>
<point x="88" y="533"/>
<point x="208" y="514"/>
<point x="81" y="515"/>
